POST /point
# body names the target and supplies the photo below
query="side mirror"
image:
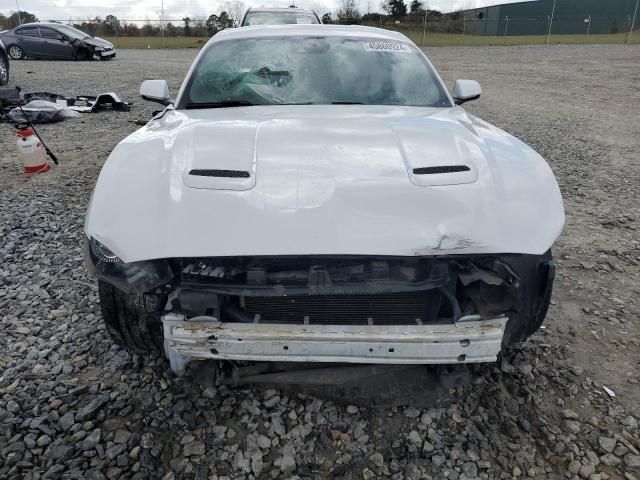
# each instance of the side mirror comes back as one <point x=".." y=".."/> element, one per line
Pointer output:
<point x="62" y="38"/>
<point x="156" y="91"/>
<point x="465" y="91"/>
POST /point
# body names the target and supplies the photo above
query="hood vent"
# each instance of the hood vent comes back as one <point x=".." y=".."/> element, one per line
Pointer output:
<point x="440" y="169"/>
<point x="220" y="173"/>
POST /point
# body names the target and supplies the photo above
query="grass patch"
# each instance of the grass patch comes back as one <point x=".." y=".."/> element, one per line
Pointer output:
<point x="451" y="39"/>
<point x="156" y="42"/>
<point x="430" y="40"/>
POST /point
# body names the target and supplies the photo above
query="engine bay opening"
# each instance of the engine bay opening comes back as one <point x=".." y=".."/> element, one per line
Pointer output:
<point x="346" y="290"/>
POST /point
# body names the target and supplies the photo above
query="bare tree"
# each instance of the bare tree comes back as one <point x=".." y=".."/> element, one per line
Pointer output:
<point x="235" y="9"/>
<point x="348" y="11"/>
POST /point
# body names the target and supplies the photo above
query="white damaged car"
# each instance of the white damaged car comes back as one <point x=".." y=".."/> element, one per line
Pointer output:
<point x="315" y="194"/>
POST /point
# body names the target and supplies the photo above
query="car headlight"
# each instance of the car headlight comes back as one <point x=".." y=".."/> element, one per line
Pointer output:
<point x="102" y="253"/>
<point x="131" y="277"/>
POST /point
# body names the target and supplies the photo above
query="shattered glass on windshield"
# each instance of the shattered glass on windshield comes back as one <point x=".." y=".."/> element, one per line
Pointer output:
<point x="322" y="70"/>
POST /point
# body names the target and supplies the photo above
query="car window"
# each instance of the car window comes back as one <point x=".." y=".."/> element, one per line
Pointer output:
<point x="49" y="33"/>
<point x="28" y="32"/>
<point x="317" y="70"/>
<point x="279" y="18"/>
<point x="73" y="33"/>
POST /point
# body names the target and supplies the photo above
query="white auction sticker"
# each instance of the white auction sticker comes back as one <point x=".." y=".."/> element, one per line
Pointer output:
<point x="386" y="47"/>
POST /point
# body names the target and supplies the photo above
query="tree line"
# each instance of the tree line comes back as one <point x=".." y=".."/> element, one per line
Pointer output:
<point x="348" y="12"/>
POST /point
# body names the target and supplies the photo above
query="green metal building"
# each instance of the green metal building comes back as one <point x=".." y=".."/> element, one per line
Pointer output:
<point x="570" y="17"/>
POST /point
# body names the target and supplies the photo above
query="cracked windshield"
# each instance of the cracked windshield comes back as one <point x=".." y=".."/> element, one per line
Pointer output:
<point x="276" y="71"/>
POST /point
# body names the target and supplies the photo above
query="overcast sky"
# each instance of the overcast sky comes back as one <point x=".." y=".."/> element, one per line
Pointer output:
<point x="175" y="9"/>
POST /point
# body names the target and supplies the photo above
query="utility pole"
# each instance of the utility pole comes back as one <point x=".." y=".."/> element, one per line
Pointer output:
<point x="162" y="23"/>
<point x="633" y="21"/>
<point x="553" y="11"/>
<point x="19" y="16"/>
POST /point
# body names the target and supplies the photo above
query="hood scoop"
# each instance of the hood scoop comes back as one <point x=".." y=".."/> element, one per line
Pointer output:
<point x="219" y="179"/>
<point x="220" y="173"/>
<point x="439" y="169"/>
<point x="438" y="175"/>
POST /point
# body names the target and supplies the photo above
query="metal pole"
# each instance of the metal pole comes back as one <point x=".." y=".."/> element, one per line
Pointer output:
<point x="589" y="25"/>
<point x="424" y="28"/>
<point x="553" y="11"/>
<point x="464" y="24"/>
<point x="162" y="24"/>
<point x="633" y="21"/>
<point x="19" y="16"/>
<point x="506" y="27"/>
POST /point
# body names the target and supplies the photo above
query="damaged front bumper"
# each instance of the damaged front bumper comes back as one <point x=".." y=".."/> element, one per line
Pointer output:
<point x="104" y="54"/>
<point x="466" y="341"/>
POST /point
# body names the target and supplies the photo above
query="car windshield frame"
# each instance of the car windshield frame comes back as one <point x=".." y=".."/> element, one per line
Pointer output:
<point x="184" y="100"/>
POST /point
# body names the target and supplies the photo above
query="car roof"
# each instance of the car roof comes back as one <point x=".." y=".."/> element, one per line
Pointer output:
<point x="41" y="24"/>
<point x="308" y="30"/>
<point x="279" y="9"/>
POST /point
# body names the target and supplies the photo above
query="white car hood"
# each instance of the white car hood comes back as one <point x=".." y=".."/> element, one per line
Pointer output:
<point x="334" y="180"/>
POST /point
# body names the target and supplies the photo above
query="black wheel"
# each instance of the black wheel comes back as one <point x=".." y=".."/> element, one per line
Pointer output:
<point x="15" y="52"/>
<point x="82" y="54"/>
<point x="4" y="70"/>
<point x="132" y="321"/>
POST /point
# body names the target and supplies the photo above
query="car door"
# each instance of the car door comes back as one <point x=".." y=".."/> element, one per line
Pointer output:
<point x="53" y="46"/>
<point x="29" y="40"/>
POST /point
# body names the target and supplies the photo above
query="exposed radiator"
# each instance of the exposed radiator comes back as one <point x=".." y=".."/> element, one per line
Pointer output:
<point x="406" y="308"/>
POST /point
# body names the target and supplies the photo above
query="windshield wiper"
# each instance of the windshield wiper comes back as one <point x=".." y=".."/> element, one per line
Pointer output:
<point x="225" y="104"/>
<point x="346" y="103"/>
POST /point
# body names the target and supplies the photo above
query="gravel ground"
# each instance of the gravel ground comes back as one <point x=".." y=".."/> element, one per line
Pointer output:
<point x="72" y="405"/>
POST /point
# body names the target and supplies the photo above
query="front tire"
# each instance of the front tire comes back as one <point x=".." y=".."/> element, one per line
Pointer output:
<point x="132" y="320"/>
<point x="15" y="52"/>
<point x="4" y="70"/>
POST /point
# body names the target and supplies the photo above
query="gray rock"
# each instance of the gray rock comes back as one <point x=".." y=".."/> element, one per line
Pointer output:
<point x="287" y="463"/>
<point x="569" y="414"/>
<point x="263" y="442"/>
<point x="257" y="465"/>
<point x="587" y="470"/>
<point x="610" y="460"/>
<point x="573" y="467"/>
<point x="90" y="410"/>
<point x="271" y="402"/>
<point x="122" y="436"/>
<point x="147" y="440"/>
<point x="632" y="461"/>
<point x="193" y="448"/>
<point x="438" y="459"/>
<point x="93" y="439"/>
<point x="377" y="459"/>
<point x="66" y="421"/>
<point x="411" y="412"/>
<point x="607" y="444"/>
<point x="571" y="426"/>
<point x="414" y="437"/>
<point x="470" y="469"/>
<point x="43" y="440"/>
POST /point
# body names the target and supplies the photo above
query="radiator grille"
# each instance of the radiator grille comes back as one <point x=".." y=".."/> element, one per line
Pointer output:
<point x="440" y="169"/>
<point x="220" y="173"/>
<point x="406" y="308"/>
